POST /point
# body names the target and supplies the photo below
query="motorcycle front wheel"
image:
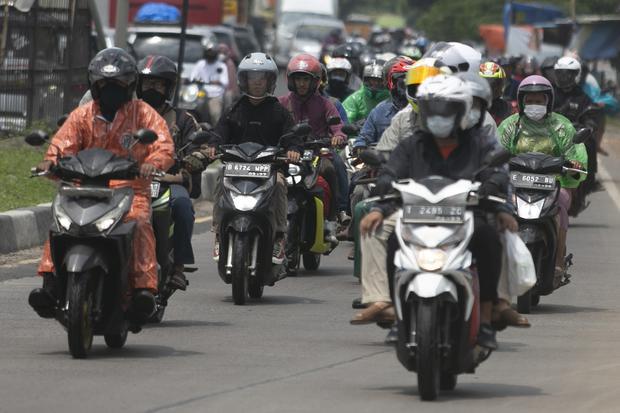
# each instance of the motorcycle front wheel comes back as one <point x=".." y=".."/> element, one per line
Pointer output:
<point x="240" y="271"/>
<point x="312" y="261"/>
<point x="428" y="356"/>
<point x="80" y="314"/>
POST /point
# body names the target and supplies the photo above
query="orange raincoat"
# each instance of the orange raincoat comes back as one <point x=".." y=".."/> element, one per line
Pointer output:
<point x="86" y="128"/>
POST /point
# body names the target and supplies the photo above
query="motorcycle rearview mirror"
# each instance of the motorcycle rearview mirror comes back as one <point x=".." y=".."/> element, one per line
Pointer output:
<point x="334" y="120"/>
<point x="145" y="136"/>
<point x="350" y="130"/>
<point x="37" y="138"/>
<point x="371" y="158"/>
<point x="199" y="137"/>
<point x="205" y="126"/>
<point x="581" y="135"/>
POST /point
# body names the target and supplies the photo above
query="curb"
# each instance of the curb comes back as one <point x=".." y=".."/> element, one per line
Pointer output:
<point x="25" y="228"/>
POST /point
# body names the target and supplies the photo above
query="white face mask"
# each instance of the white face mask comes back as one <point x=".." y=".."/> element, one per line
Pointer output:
<point x="440" y="126"/>
<point x="473" y="117"/>
<point x="535" y="112"/>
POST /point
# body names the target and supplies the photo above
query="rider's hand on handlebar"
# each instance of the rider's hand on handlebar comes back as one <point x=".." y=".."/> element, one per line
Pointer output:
<point x="293" y="156"/>
<point x="576" y="165"/>
<point x="506" y="221"/>
<point x="338" y="140"/>
<point x="371" y="222"/>
<point x="146" y="170"/>
<point x="44" y="166"/>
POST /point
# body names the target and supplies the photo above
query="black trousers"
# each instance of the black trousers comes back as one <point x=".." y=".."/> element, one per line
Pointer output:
<point x="486" y="249"/>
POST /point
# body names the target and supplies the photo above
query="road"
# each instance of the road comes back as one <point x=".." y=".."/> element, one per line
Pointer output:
<point x="294" y="350"/>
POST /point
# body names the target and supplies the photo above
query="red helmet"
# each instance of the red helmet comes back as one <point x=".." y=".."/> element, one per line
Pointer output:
<point x="398" y="69"/>
<point x="303" y="63"/>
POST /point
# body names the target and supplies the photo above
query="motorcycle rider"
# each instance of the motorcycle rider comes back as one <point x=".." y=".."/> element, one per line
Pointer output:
<point x="339" y="71"/>
<point x="108" y="122"/>
<point x="214" y="74"/>
<point x="304" y="102"/>
<point x="157" y="79"/>
<point x="439" y="146"/>
<point x="571" y="102"/>
<point x="322" y="91"/>
<point x="373" y="91"/>
<point x="256" y="117"/>
<point x="537" y="128"/>
<point x="352" y="53"/>
<point x="500" y="108"/>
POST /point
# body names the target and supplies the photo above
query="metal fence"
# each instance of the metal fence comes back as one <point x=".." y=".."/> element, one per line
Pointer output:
<point x="44" y="55"/>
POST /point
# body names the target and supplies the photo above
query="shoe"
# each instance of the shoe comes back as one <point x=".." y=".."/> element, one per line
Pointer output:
<point x="279" y="250"/>
<point x="42" y="302"/>
<point x="344" y="235"/>
<point x="375" y="313"/>
<point x="392" y="336"/>
<point x="178" y="280"/>
<point x="512" y="318"/>
<point x="351" y="254"/>
<point x="329" y="229"/>
<point x="143" y="306"/>
<point x="486" y="337"/>
<point x="357" y="304"/>
<point x="343" y="218"/>
<point x="216" y="251"/>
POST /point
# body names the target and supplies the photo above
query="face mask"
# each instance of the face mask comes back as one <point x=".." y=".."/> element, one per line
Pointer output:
<point x="473" y="117"/>
<point x="153" y="98"/>
<point x="440" y="126"/>
<point x="535" y="112"/>
<point x="111" y="98"/>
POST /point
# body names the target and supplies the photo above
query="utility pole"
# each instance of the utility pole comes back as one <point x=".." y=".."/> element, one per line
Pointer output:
<point x="184" y="12"/>
<point x="122" y="19"/>
<point x="573" y="10"/>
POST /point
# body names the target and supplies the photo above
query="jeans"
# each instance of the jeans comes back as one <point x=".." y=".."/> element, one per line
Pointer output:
<point x="183" y="217"/>
<point x="343" y="182"/>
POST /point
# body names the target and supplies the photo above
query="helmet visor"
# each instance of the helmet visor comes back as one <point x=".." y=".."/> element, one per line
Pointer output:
<point x="257" y="84"/>
<point x="439" y="107"/>
<point x="566" y="78"/>
<point x="417" y="74"/>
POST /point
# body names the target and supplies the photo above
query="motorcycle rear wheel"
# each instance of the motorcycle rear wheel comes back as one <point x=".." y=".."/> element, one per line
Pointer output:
<point x="80" y="329"/>
<point x="255" y="289"/>
<point x="311" y="261"/>
<point x="428" y="356"/>
<point x="116" y="340"/>
<point x="240" y="271"/>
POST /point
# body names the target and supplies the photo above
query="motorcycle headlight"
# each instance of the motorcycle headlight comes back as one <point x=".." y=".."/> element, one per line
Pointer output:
<point x="111" y="218"/>
<point x="431" y="259"/>
<point x="190" y="93"/>
<point x="244" y="202"/>
<point x="62" y="219"/>
<point x="294" y="169"/>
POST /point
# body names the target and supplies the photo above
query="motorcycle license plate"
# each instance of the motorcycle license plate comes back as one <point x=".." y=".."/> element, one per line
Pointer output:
<point x="532" y="181"/>
<point x="155" y="189"/>
<point x="247" y="170"/>
<point x="434" y="214"/>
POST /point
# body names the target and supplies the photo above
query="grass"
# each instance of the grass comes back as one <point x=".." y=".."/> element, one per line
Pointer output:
<point x="18" y="189"/>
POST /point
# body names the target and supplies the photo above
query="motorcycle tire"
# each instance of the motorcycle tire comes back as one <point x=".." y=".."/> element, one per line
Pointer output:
<point x="447" y="381"/>
<point x="428" y="358"/>
<point x="158" y="315"/>
<point x="311" y="261"/>
<point x="240" y="271"/>
<point x="116" y="340"/>
<point x="255" y="289"/>
<point x="524" y="303"/>
<point x="80" y="329"/>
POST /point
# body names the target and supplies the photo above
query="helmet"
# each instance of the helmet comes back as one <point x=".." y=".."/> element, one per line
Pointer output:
<point x="420" y="71"/>
<point x="495" y="76"/>
<point x="535" y="84"/>
<point x="339" y="64"/>
<point x="567" y="71"/>
<point x="397" y="68"/>
<point x="303" y="63"/>
<point x="444" y="95"/>
<point x="211" y="51"/>
<point x="457" y="56"/>
<point x="158" y="67"/>
<point x="373" y="70"/>
<point x="421" y="43"/>
<point x="257" y="63"/>
<point x="323" y="82"/>
<point x="411" y="51"/>
<point x="529" y="66"/>
<point x="347" y="50"/>
<point x="112" y="63"/>
<point x="479" y="89"/>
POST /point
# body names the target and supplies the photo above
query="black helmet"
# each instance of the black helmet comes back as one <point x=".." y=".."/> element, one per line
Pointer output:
<point x="112" y="64"/>
<point x="157" y="67"/>
<point x="347" y="50"/>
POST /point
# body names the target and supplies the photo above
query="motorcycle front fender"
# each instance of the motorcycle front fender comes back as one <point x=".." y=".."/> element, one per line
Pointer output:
<point x="243" y="223"/>
<point x="429" y="285"/>
<point x="81" y="258"/>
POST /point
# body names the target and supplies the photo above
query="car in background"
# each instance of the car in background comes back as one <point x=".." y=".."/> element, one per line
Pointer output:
<point x="246" y="39"/>
<point x="165" y="40"/>
<point x="310" y="34"/>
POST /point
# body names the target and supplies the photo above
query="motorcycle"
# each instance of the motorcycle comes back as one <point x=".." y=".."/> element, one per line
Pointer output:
<point x="536" y="191"/>
<point x="194" y="97"/>
<point x="91" y="245"/>
<point x="163" y="228"/>
<point x="247" y="232"/>
<point x="436" y="293"/>
<point x="305" y="212"/>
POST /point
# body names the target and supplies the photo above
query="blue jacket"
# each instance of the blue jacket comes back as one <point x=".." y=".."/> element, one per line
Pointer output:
<point x="377" y="122"/>
<point x="339" y="107"/>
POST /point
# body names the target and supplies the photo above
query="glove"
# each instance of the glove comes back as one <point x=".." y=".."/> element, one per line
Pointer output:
<point x="195" y="162"/>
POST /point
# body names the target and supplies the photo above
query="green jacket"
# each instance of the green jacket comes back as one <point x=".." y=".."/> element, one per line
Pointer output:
<point x="553" y="136"/>
<point x="359" y="104"/>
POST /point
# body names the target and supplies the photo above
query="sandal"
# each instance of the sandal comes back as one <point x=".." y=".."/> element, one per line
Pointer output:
<point x="512" y="318"/>
<point x="375" y="313"/>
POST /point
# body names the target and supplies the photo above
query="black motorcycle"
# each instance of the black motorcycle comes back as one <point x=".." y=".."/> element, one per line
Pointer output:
<point x="91" y="245"/>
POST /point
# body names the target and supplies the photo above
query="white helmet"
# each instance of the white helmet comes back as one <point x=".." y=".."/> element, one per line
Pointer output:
<point x="479" y="89"/>
<point x="458" y="56"/>
<point x="340" y="64"/>
<point x="567" y="72"/>
<point x="446" y="97"/>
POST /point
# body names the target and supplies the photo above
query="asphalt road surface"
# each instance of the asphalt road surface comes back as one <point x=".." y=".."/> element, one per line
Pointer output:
<point x="294" y="350"/>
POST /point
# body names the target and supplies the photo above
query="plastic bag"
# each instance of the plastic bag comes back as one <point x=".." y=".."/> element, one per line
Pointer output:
<point x="521" y="273"/>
